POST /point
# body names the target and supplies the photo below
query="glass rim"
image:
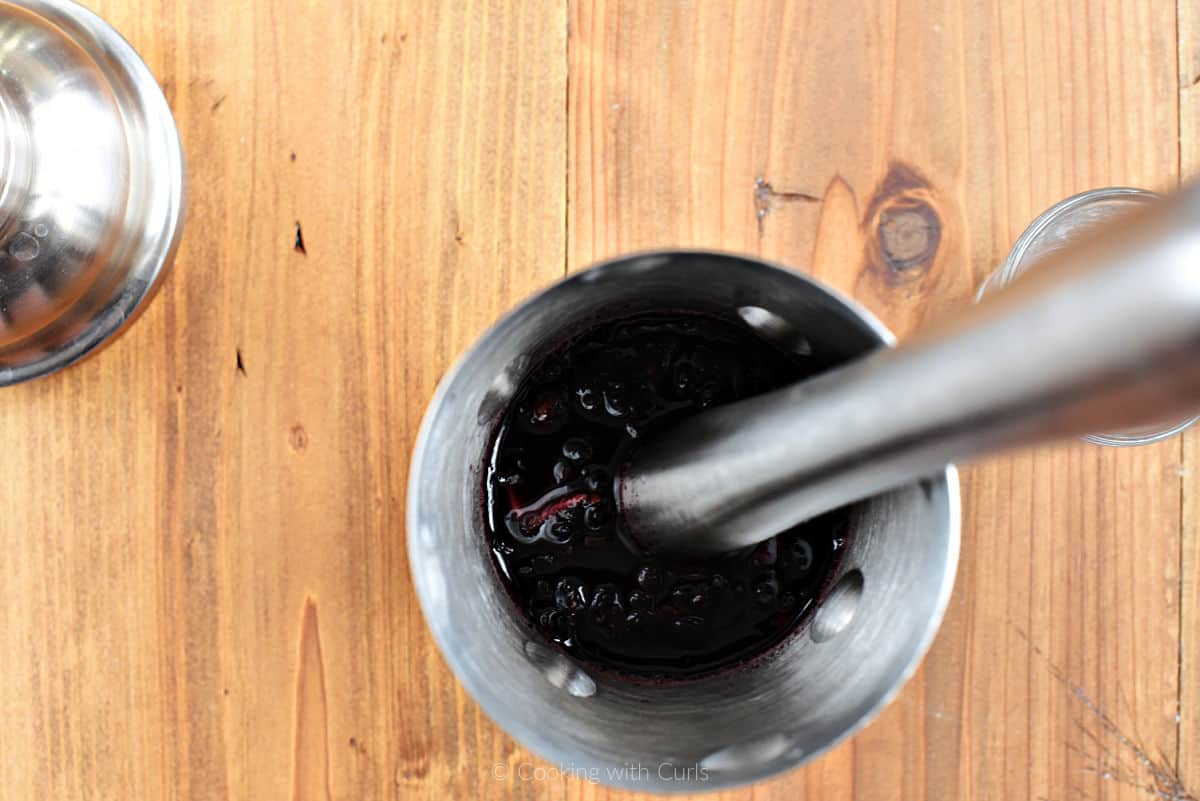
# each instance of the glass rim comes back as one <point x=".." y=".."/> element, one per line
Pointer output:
<point x="1010" y="269"/>
<point x="1013" y="266"/>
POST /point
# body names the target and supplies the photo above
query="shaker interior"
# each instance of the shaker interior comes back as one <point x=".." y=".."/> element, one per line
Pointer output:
<point x="735" y="726"/>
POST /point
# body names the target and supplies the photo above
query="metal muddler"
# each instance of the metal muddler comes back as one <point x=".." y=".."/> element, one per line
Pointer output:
<point x="1105" y="334"/>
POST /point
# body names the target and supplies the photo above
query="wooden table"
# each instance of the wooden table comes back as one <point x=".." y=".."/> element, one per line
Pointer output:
<point x="206" y="594"/>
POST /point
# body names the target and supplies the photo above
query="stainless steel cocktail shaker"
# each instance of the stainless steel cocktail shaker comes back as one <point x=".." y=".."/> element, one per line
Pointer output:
<point x="91" y="185"/>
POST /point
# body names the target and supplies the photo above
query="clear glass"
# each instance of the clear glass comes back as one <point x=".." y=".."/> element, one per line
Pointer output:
<point x="1053" y="230"/>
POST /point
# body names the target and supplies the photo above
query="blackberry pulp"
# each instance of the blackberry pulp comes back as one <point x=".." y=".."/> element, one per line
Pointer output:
<point x="554" y="529"/>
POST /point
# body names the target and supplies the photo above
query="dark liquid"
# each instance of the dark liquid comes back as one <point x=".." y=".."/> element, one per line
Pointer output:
<point x="553" y="525"/>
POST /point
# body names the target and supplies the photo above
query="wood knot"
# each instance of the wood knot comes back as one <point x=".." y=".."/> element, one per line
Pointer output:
<point x="908" y="234"/>
<point x="411" y="771"/>
<point x="907" y="228"/>
<point x="298" y="438"/>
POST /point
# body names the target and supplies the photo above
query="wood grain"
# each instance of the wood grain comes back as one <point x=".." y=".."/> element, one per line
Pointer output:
<point x="896" y="152"/>
<point x="1188" y="757"/>
<point x="206" y="588"/>
<point x="207" y="595"/>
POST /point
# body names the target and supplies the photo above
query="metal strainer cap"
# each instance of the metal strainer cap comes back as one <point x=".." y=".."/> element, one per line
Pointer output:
<point x="92" y="185"/>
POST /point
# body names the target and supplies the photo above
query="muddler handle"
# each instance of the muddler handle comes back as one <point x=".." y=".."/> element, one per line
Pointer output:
<point x="1104" y="334"/>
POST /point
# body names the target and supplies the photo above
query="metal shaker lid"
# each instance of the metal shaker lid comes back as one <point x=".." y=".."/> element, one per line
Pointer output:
<point x="92" y="185"/>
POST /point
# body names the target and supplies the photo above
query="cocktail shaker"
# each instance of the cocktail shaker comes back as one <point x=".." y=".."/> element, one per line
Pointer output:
<point x="92" y="185"/>
<point x="886" y="599"/>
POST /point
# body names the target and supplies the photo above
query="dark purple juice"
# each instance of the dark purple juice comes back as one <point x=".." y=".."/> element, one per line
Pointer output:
<point x="554" y="528"/>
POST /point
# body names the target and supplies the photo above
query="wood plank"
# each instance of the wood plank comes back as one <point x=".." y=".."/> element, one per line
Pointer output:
<point x="689" y="120"/>
<point x="1188" y="756"/>
<point x="207" y="593"/>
